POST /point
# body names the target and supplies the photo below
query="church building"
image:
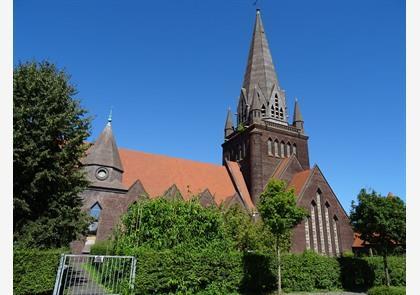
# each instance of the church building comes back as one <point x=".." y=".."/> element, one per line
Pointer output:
<point x="263" y="144"/>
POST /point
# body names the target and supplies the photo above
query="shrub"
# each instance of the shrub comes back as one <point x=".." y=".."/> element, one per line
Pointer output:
<point x="384" y="290"/>
<point x="212" y="270"/>
<point x="34" y="270"/>
<point x="363" y="273"/>
<point x="310" y="271"/>
<point x="102" y="248"/>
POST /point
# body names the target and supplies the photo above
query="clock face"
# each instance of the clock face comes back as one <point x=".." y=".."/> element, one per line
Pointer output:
<point x="102" y="173"/>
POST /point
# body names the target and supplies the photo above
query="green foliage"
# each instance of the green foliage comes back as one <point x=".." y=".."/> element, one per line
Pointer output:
<point x="34" y="271"/>
<point x="209" y="270"/>
<point x="310" y="271"/>
<point x="49" y="130"/>
<point x="163" y="224"/>
<point x="241" y="128"/>
<point x="363" y="273"/>
<point x="384" y="290"/>
<point x="379" y="220"/>
<point x="103" y="248"/>
<point x="278" y="208"/>
<point x="247" y="234"/>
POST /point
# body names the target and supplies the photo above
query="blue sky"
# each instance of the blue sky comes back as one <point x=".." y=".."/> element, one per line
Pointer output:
<point x="170" y="69"/>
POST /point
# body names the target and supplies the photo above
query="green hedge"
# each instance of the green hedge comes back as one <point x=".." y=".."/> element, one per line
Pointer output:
<point x="34" y="271"/>
<point x="384" y="290"/>
<point x="310" y="271"/>
<point x="364" y="273"/>
<point x="102" y="248"/>
<point x="209" y="270"/>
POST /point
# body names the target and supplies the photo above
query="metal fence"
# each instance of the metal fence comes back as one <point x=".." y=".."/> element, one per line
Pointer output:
<point x="90" y="274"/>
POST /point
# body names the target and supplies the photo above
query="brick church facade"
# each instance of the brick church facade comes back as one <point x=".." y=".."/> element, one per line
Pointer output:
<point x="262" y="145"/>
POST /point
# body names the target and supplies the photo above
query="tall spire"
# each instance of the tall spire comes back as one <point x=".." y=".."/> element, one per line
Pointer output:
<point x="229" y="124"/>
<point x="260" y="68"/>
<point x="261" y="96"/>
<point x="104" y="152"/>
<point x="297" y="116"/>
<point x="110" y="117"/>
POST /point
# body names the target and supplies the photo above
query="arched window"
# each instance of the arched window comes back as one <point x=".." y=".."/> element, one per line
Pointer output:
<point x="327" y="226"/>
<point x="281" y="113"/>
<point x="294" y="149"/>
<point x="240" y="152"/>
<point x="282" y="149"/>
<point x="95" y="211"/>
<point x="335" y="229"/>
<point x="269" y="147"/>
<point x="320" y="221"/>
<point x="288" y="147"/>
<point x="244" y="149"/>
<point x="313" y="222"/>
<point x="272" y="111"/>
<point x="263" y="110"/>
<point x="276" y="148"/>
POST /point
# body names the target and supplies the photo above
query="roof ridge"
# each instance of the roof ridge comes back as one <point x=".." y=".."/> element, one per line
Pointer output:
<point x="170" y="157"/>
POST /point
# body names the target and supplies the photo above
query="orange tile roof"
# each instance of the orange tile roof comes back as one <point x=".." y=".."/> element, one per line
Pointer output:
<point x="157" y="173"/>
<point x="358" y="242"/>
<point x="239" y="180"/>
<point x="299" y="180"/>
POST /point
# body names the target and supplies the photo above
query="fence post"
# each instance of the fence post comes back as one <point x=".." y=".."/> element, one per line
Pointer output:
<point x="59" y="275"/>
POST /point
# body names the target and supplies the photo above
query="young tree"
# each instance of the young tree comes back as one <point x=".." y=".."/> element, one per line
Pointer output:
<point x="380" y="222"/>
<point x="279" y="212"/>
<point x="49" y="130"/>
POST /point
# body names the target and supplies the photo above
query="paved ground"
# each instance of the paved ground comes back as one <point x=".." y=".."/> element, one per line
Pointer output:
<point x="82" y="283"/>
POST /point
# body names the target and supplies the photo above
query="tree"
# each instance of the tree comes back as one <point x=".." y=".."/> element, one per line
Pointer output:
<point x="380" y="222"/>
<point x="279" y="212"/>
<point x="49" y="131"/>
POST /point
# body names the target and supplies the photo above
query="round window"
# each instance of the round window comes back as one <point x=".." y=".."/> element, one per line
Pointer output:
<point x="102" y="173"/>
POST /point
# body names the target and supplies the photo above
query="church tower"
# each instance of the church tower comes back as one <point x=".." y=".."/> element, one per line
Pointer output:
<point x="263" y="136"/>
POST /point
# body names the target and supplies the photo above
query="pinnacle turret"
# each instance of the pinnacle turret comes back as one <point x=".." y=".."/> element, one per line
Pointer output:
<point x="297" y="116"/>
<point x="229" y="129"/>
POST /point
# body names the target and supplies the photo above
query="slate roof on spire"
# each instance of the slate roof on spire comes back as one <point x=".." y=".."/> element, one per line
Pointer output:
<point x="229" y="121"/>
<point x="297" y="116"/>
<point x="260" y="68"/>
<point x="104" y="152"/>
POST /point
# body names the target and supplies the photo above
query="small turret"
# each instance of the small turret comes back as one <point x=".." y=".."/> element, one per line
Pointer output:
<point x="297" y="117"/>
<point x="229" y="124"/>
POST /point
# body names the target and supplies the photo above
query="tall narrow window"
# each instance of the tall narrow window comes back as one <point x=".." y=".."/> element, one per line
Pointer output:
<point x="240" y="152"/>
<point x="270" y="146"/>
<point x="282" y="149"/>
<point x="243" y="150"/>
<point x="313" y="221"/>
<point x="276" y="148"/>
<point x="307" y="237"/>
<point x="272" y="111"/>
<point x="337" y="247"/>
<point x="320" y="222"/>
<point x="294" y="149"/>
<point x="281" y="113"/>
<point x="95" y="211"/>
<point x="327" y="225"/>
<point x="288" y="147"/>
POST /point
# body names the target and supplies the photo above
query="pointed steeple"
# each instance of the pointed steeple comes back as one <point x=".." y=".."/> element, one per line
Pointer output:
<point x="297" y="116"/>
<point x="229" y="124"/>
<point x="104" y="152"/>
<point x="261" y="86"/>
<point x="260" y="68"/>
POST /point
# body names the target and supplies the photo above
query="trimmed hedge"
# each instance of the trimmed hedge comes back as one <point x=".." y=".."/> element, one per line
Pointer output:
<point x="310" y="271"/>
<point x="384" y="290"/>
<point x="216" y="270"/>
<point x="364" y="273"/>
<point x="34" y="271"/>
<point x="209" y="270"/>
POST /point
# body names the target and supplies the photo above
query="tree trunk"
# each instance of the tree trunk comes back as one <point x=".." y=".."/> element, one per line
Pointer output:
<point x="278" y="267"/>
<point x="387" y="279"/>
